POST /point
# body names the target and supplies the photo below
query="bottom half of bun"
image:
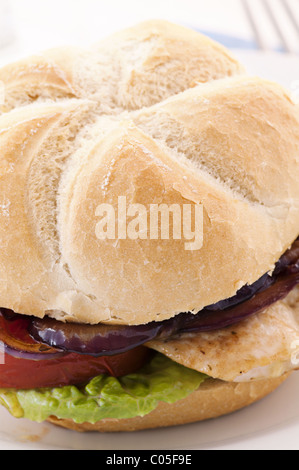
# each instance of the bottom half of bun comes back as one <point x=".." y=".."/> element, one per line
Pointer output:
<point x="213" y="399"/>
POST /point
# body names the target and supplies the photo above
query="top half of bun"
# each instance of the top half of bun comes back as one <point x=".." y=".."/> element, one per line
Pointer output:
<point x="157" y="114"/>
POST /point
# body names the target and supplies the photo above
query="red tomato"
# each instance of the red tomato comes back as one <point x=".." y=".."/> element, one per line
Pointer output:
<point x="69" y="369"/>
<point x="72" y="369"/>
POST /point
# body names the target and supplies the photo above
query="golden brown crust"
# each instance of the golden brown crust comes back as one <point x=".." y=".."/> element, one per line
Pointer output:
<point x="231" y="145"/>
<point x="213" y="399"/>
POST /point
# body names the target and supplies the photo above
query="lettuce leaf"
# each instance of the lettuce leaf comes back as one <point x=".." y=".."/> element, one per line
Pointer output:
<point x="107" y="397"/>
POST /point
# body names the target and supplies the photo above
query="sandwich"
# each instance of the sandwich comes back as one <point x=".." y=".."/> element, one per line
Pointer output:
<point x="149" y="225"/>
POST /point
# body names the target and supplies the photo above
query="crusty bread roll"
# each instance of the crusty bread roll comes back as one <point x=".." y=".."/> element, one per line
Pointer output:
<point x="158" y="114"/>
<point x="137" y="67"/>
<point x="213" y="399"/>
<point x="155" y="114"/>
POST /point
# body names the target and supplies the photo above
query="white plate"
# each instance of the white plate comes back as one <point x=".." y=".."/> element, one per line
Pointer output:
<point x="271" y="424"/>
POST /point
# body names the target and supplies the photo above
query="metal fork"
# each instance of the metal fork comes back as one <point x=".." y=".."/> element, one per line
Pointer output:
<point x="282" y="16"/>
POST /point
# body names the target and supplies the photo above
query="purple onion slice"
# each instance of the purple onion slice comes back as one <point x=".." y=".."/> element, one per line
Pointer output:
<point x="209" y="322"/>
<point x="39" y="355"/>
<point x="104" y="340"/>
<point x="97" y="340"/>
<point x="18" y="343"/>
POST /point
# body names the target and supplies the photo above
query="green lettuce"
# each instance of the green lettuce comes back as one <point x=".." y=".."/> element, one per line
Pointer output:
<point x="107" y="397"/>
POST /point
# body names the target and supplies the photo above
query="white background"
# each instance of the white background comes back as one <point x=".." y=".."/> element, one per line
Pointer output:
<point x="40" y="24"/>
<point x="51" y="22"/>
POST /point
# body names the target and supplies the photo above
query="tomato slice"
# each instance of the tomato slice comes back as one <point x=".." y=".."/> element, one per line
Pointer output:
<point x="30" y="364"/>
<point x="72" y="369"/>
